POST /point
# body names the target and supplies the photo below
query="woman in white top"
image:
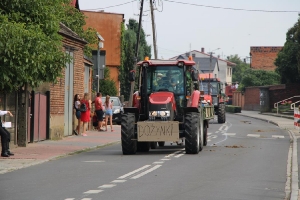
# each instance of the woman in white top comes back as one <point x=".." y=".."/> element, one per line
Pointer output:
<point x="108" y="112"/>
<point x="77" y="112"/>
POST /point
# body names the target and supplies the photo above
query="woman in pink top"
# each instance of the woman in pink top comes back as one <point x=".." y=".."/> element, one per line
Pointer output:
<point x="108" y="113"/>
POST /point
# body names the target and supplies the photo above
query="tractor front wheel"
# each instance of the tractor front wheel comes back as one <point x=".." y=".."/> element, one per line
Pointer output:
<point x="221" y="114"/>
<point x="127" y="134"/>
<point x="192" y="133"/>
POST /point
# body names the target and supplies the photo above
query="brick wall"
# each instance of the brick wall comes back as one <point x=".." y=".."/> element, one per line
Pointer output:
<point x="263" y="57"/>
<point x="280" y="92"/>
<point x="58" y="90"/>
<point x="108" y="25"/>
<point x="252" y="99"/>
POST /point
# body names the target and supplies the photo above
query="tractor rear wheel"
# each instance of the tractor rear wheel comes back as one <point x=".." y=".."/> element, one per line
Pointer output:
<point x="127" y="134"/>
<point x="204" y="135"/>
<point x="221" y="114"/>
<point x="192" y="133"/>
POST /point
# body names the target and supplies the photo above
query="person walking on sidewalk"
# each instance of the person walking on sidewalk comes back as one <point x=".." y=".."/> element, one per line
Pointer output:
<point x="77" y="113"/>
<point x="108" y="113"/>
<point x="5" y="136"/>
<point x="85" y="116"/>
<point x="99" y="110"/>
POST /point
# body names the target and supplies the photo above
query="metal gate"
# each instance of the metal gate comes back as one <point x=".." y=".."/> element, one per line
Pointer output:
<point x="39" y="117"/>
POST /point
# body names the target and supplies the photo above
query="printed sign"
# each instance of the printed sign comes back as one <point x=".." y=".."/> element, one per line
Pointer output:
<point x="158" y="131"/>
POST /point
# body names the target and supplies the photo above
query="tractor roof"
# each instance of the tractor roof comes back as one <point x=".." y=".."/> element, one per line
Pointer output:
<point x="166" y="62"/>
<point x="208" y="76"/>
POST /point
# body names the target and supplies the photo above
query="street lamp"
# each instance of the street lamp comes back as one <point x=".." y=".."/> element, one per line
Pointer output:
<point x="210" y="56"/>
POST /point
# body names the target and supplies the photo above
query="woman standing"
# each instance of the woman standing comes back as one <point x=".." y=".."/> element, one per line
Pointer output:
<point x="77" y="112"/>
<point x="108" y="113"/>
<point x="85" y="116"/>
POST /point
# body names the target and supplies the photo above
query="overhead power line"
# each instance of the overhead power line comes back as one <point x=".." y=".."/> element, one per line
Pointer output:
<point x="112" y="6"/>
<point x="236" y="9"/>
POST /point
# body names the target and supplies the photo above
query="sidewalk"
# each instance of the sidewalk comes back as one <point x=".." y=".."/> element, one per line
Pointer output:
<point x="36" y="153"/>
<point x="44" y="151"/>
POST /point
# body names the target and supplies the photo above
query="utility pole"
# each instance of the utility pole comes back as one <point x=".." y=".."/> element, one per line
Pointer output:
<point x="136" y="52"/>
<point x="153" y="29"/>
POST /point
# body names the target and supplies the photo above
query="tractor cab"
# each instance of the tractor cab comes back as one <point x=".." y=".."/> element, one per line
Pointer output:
<point x="164" y="88"/>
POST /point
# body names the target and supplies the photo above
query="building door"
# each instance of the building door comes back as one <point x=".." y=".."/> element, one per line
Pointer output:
<point x="86" y="79"/>
<point x="68" y="102"/>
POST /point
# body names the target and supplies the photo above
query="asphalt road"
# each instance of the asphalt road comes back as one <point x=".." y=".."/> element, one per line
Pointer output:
<point x="245" y="159"/>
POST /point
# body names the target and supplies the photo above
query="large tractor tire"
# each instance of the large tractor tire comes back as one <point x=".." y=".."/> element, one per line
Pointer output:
<point x="127" y="134"/>
<point x="192" y="133"/>
<point x="143" y="146"/>
<point x="205" y="135"/>
<point x="221" y="114"/>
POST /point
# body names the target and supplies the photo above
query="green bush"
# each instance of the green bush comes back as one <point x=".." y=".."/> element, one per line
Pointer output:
<point x="233" y="109"/>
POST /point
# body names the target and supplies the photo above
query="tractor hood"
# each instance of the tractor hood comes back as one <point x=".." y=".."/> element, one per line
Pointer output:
<point x="162" y="98"/>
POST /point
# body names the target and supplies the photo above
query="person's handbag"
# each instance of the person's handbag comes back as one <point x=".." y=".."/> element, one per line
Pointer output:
<point x="83" y="107"/>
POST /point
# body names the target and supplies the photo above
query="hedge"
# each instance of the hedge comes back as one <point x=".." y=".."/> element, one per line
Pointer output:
<point x="233" y="109"/>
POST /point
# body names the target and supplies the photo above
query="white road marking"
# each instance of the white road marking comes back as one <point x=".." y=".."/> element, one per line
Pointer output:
<point x="208" y="133"/>
<point x="165" y="159"/>
<point x="133" y="172"/>
<point x="94" y="161"/>
<point x="93" y="191"/>
<point x="146" y="172"/>
<point x="86" y="199"/>
<point x="107" y="186"/>
<point x="253" y="135"/>
<point x="119" y="181"/>
<point x="70" y="199"/>
<point x="208" y="140"/>
<point x="229" y="134"/>
<point x="179" y="155"/>
<point x="277" y="136"/>
<point x="158" y="162"/>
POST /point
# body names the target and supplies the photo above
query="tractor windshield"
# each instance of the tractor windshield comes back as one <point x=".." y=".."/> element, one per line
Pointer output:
<point x="212" y="85"/>
<point x="165" y="78"/>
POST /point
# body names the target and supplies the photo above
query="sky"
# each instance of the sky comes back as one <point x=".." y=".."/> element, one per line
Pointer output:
<point x="226" y="25"/>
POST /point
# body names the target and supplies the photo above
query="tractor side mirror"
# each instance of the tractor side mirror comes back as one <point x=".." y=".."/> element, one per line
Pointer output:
<point x="131" y="76"/>
<point x="195" y="75"/>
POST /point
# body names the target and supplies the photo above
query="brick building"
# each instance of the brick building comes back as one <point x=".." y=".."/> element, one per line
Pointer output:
<point x="109" y="26"/>
<point x="76" y="79"/>
<point x="263" y="58"/>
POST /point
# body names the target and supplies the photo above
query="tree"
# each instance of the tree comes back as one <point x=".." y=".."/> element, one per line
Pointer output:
<point x="259" y="78"/>
<point x="288" y="59"/>
<point x="128" y="45"/>
<point x="107" y="85"/>
<point x="240" y="68"/>
<point x="30" y="45"/>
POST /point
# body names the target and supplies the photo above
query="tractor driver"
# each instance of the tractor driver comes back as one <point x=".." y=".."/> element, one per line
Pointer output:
<point x="171" y="82"/>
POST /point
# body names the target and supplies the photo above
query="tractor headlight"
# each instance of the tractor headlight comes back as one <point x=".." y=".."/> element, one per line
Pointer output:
<point x="153" y="113"/>
<point x="159" y="113"/>
<point x="116" y="111"/>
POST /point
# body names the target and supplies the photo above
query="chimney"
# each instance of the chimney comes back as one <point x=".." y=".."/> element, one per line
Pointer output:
<point x="202" y="50"/>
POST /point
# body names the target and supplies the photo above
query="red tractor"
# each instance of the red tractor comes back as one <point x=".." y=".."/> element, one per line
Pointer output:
<point x="166" y="107"/>
<point x="212" y="88"/>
